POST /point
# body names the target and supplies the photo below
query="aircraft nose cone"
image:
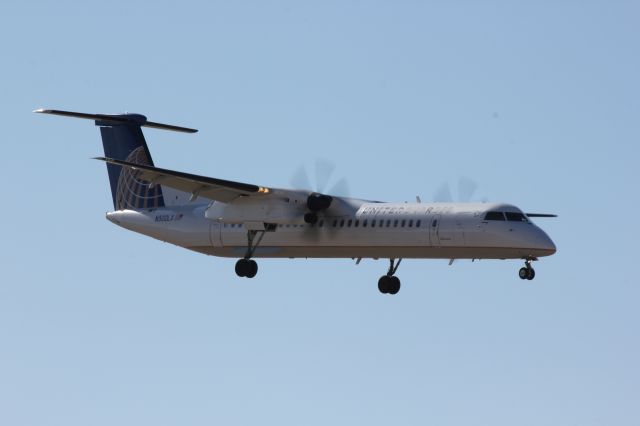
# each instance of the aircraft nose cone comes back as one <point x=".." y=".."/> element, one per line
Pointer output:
<point x="546" y="244"/>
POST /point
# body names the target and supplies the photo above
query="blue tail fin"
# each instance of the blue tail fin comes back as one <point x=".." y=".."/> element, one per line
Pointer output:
<point x="125" y="141"/>
<point x="122" y="139"/>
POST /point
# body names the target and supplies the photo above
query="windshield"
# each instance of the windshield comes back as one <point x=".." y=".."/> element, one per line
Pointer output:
<point x="510" y="216"/>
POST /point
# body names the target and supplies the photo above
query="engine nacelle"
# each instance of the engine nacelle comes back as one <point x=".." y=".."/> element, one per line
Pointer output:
<point x="318" y="202"/>
<point x="257" y="209"/>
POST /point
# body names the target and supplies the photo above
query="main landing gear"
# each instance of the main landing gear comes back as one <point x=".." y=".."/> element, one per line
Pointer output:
<point x="527" y="272"/>
<point x="247" y="267"/>
<point x="390" y="284"/>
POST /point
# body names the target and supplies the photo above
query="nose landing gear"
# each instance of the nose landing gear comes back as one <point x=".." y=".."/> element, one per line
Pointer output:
<point x="527" y="272"/>
<point x="390" y="284"/>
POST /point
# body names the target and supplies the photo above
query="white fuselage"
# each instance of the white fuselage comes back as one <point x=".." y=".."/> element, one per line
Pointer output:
<point x="353" y="229"/>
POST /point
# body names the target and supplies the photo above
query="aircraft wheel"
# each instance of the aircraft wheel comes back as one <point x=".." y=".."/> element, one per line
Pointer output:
<point x="246" y="268"/>
<point x="241" y="267"/>
<point x="523" y="273"/>
<point x="384" y="284"/>
<point x="388" y="284"/>
<point x="395" y="285"/>
<point x="532" y="274"/>
<point x="252" y="268"/>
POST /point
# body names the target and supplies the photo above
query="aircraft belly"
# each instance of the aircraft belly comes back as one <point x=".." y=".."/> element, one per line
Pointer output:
<point x="415" y="252"/>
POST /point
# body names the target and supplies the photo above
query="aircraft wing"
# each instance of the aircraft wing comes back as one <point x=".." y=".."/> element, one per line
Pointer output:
<point x="197" y="186"/>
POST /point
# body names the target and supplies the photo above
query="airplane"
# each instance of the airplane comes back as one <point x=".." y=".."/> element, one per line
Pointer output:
<point x="246" y="221"/>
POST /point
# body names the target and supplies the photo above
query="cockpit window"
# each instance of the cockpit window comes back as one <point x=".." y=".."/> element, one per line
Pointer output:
<point x="494" y="216"/>
<point x="516" y="217"/>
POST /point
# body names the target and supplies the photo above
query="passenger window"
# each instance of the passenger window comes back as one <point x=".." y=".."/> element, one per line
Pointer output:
<point x="373" y="223"/>
<point x="335" y="223"/>
<point x="357" y="223"/>
<point x="411" y="223"/>
<point x="403" y="223"/>
<point x="388" y="223"/>
<point x="321" y="223"/>
<point x="418" y="223"/>
<point x="434" y="223"/>
<point x="516" y="217"/>
<point x="494" y="216"/>
<point x="364" y="223"/>
<point x="342" y="223"/>
<point x="395" y="223"/>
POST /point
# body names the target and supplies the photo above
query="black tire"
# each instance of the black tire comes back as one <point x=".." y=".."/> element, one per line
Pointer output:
<point x="394" y="287"/>
<point x="252" y="268"/>
<point x="241" y="268"/>
<point x="523" y="273"/>
<point x="532" y="274"/>
<point x="383" y="284"/>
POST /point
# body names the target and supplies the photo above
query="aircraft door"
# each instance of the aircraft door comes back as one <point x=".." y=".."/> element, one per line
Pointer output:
<point x="450" y="231"/>
<point x="434" y="225"/>
<point x="214" y="233"/>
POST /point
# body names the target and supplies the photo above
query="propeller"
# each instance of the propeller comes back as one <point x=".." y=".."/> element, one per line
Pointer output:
<point x="323" y="172"/>
<point x="466" y="189"/>
<point x="319" y="201"/>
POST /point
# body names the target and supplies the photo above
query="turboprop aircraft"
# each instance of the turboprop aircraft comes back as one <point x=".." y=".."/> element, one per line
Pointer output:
<point x="246" y="221"/>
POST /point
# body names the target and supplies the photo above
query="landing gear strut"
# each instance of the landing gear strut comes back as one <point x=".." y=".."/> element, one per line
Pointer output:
<point x="527" y="272"/>
<point x="247" y="267"/>
<point x="390" y="284"/>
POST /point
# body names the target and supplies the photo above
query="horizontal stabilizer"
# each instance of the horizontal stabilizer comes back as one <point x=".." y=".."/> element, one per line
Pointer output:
<point x="137" y="119"/>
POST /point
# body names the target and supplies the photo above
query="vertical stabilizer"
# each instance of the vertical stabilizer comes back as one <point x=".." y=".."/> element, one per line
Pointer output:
<point x="122" y="139"/>
<point x="125" y="141"/>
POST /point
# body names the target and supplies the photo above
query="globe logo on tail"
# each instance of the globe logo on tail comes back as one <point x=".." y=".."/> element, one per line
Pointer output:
<point x="133" y="191"/>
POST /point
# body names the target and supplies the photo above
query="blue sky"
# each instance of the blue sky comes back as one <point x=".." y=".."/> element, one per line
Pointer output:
<point x="538" y="103"/>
